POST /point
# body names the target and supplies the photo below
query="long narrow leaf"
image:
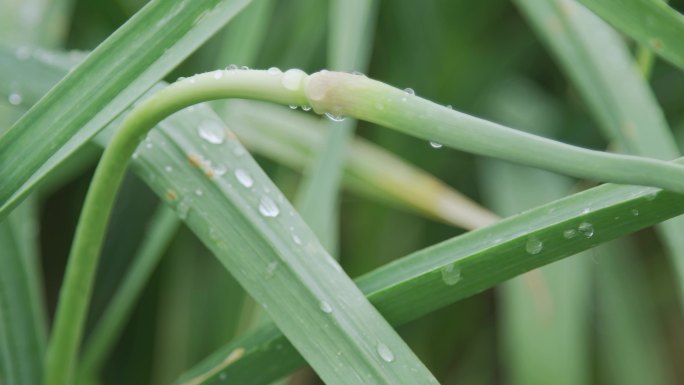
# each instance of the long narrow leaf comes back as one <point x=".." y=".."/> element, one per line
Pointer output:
<point x="116" y="73"/>
<point x="617" y="94"/>
<point x="650" y="22"/>
<point x="22" y="318"/>
<point x="461" y="267"/>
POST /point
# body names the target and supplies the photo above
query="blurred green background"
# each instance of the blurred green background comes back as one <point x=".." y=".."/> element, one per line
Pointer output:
<point x="483" y="59"/>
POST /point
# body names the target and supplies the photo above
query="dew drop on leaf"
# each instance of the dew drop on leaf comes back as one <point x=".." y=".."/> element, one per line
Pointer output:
<point x="211" y="131"/>
<point x="244" y="178"/>
<point x="384" y="352"/>
<point x="325" y="307"/>
<point x="586" y="229"/>
<point x="534" y="246"/>
<point x="436" y="145"/>
<point x="451" y="274"/>
<point x="268" y="208"/>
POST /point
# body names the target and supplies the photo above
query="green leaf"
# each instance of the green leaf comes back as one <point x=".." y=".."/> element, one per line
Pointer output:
<point x="273" y="254"/>
<point x="600" y="65"/>
<point x="22" y="317"/>
<point x="460" y="267"/>
<point x="117" y="72"/>
<point x="163" y="225"/>
<point x="544" y="314"/>
<point x="650" y="22"/>
<point x="627" y="318"/>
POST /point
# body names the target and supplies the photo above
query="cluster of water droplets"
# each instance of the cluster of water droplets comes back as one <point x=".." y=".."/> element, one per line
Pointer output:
<point x="584" y="229"/>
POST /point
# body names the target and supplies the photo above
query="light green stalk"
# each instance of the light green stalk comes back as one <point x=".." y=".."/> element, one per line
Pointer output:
<point x="327" y="92"/>
<point x="77" y="287"/>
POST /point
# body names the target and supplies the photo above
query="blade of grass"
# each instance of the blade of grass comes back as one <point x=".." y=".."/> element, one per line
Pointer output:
<point x="649" y="22"/>
<point x="117" y="72"/>
<point x="544" y="313"/>
<point x="22" y="312"/>
<point x="292" y="139"/>
<point x="278" y="273"/>
<point x="244" y="36"/>
<point x="458" y="268"/>
<point x="23" y="319"/>
<point x="103" y="335"/>
<point x="617" y="94"/>
<point x="629" y="334"/>
<point x="163" y="225"/>
<point x="348" y="50"/>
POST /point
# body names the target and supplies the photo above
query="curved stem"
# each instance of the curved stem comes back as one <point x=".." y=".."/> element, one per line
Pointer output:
<point x="331" y="92"/>
<point x="284" y="88"/>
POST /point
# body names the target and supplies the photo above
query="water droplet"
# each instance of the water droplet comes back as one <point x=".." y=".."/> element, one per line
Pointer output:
<point x="182" y="209"/>
<point x="651" y="196"/>
<point x="333" y="117"/>
<point x="569" y="233"/>
<point x="534" y="246"/>
<point x="292" y="79"/>
<point x="218" y="74"/>
<point x="199" y="192"/>
<point x="449" y="106"/>
<point x="219" y="170"/>
<point x="232" y="67"/>
<point x="181" y="78"/>
<point x="436" y="145"/>
<point x="211" y="131"/>
<point x="384" y="352"/>
<point x="244" y="178"/>
<point x="244" y="68"/>
<point x="271" y="268"/>
<point x="325" y="307"/>
<point x="293" y="107"/>
<point x="357" y="73"/>
<point x="168" y="168"/>
<point x="268" y="208"/>
<point x="586" y="211"/>
<point x="635" y="212"/>
<point x="296" y="239"/>
<point x="586" y="229"/>
<point x="306" y="108"/>
<point x="15" y="99"/>
<point x="274" y="71"/>
<point x="451" y="274"/>
<point x="409" y="91"/>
